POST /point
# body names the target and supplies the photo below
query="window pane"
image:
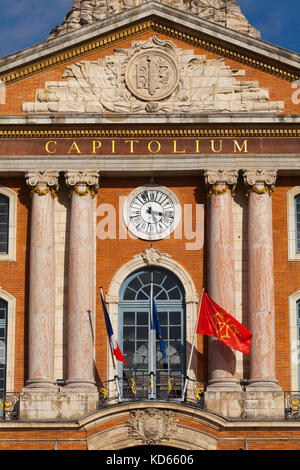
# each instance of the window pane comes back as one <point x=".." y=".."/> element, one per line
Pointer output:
<point x="141" y="333"/>
<point x="129" y="294"/>
<point x="128" y="347"/>
<point x="128" y="332"/>
<point x="142" y="318"/>
<point x="129" y="318"/>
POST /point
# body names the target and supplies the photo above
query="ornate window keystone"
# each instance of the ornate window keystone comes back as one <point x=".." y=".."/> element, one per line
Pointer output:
<point x="151" y="256"/>
<point x="260" y="181"/>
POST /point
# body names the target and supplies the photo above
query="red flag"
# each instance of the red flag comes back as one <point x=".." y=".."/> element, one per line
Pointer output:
<point x="215" y="321"/>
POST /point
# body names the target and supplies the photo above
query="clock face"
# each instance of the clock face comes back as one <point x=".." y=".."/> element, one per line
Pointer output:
<point x="152" y="212"/>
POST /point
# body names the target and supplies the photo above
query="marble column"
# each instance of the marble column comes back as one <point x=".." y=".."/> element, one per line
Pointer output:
<point x="83" y="186"/>
<point x="260" y="185"/>
<point x="221" y="276"/>
<point x="43" y="185"/>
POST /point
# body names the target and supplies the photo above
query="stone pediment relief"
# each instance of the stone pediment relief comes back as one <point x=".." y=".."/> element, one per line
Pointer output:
<point x="152" y="76"/>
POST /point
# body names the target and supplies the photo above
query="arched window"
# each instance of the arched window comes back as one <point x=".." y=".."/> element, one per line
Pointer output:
<point x="297" y="222"/>
<point x="4" y="224"/>
<point x="3" y="345"/>
<point x="135" y="337"/>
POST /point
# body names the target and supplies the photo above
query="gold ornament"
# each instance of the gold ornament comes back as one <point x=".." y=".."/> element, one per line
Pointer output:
<point x="43" y="192"/>
<point x="219" y="192"/>
<point x="265" y="190"/>
<point x="132" y="386"/>
<point x="104" y="393"/>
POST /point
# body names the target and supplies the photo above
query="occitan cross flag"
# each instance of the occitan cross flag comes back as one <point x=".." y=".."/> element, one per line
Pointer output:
<point x="215" y="321"/>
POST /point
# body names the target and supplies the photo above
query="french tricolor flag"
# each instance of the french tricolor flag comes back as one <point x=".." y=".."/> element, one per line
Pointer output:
<point x="110" y="332"/>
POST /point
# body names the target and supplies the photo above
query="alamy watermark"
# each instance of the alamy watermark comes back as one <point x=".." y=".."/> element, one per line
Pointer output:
<point x="296" y="93"/>
<point x="111" y="225"/>
<point x="2" y="92"/>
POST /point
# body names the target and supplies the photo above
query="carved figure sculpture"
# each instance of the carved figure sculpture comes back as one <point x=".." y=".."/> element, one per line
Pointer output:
<point x="224" y="12"/>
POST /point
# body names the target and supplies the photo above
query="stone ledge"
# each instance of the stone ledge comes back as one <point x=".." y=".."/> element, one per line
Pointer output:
<point x="246" y="405"/>
<point x="57" y="405"/>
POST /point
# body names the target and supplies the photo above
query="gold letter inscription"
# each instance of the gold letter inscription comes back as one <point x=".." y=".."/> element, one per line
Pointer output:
<point x="220" y="146"/>
<point x="158" y="146"/>
<point x="175" y="148"/>
<point x="47" y="146"/>
<point x="131" y="144"/>
<point x="96" y="145"/>
<point x="74" y="146"/>
<point x="240" y="149"/>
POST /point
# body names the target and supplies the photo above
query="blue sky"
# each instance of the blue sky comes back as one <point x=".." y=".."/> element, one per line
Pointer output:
<point x="27" y="22"/>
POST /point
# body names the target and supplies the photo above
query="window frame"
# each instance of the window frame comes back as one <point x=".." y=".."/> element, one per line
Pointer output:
<point x="293" y="253"/>
<point x="12" y="224"/>
<point x="162" y="305"/>
<point x="4" y="325"/>
<point x="297" y="223"/>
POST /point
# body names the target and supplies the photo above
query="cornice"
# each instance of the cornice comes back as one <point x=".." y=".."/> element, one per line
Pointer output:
<point x="159" y="19"/>
<point x="94" y="133"/>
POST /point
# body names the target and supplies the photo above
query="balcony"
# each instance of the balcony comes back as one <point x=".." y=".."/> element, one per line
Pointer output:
<point x="119" y="391"/>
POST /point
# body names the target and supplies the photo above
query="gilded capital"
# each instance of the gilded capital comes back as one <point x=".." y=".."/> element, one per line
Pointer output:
<point x="260" y="180"/>
<point x="42" y="181"/>
<point x="225" y="177"/>
<point x="83" y="181"/>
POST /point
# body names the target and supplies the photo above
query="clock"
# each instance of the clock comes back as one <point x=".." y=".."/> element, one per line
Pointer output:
<point x="151" y="212"/>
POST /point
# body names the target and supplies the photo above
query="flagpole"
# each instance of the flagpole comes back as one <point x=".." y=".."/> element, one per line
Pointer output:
<point x="151" y="342"/>
<point x="192" y="349"/>
<point x="113" y="360"/>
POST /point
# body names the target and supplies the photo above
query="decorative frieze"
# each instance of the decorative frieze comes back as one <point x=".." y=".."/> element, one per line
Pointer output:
<point x="152" y="76"/>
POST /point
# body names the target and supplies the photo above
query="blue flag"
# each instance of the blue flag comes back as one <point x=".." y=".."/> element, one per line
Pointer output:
<point x="156" y="326"/>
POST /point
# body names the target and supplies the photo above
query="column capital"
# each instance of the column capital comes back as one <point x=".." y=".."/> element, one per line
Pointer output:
<point x="78" y="179"/>
<point x="226" y="177"/>
<point x="260" y="180"/>
<point x="42" y="181"/>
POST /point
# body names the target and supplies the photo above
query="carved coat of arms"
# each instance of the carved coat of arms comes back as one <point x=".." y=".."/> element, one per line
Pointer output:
<point x="152" y="425"/>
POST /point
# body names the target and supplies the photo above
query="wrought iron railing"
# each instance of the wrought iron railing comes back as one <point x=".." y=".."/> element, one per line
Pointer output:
<point x="118" y="390"/>
<point x="292" y="405"/>
<point x="9" y="406"/>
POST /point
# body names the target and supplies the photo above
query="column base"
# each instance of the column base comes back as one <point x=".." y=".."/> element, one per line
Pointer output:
<point x="80" y="385"/>
<point x="263" y="385"/>
<point x="224" y="385"/>
<point x="40" y="384"/>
